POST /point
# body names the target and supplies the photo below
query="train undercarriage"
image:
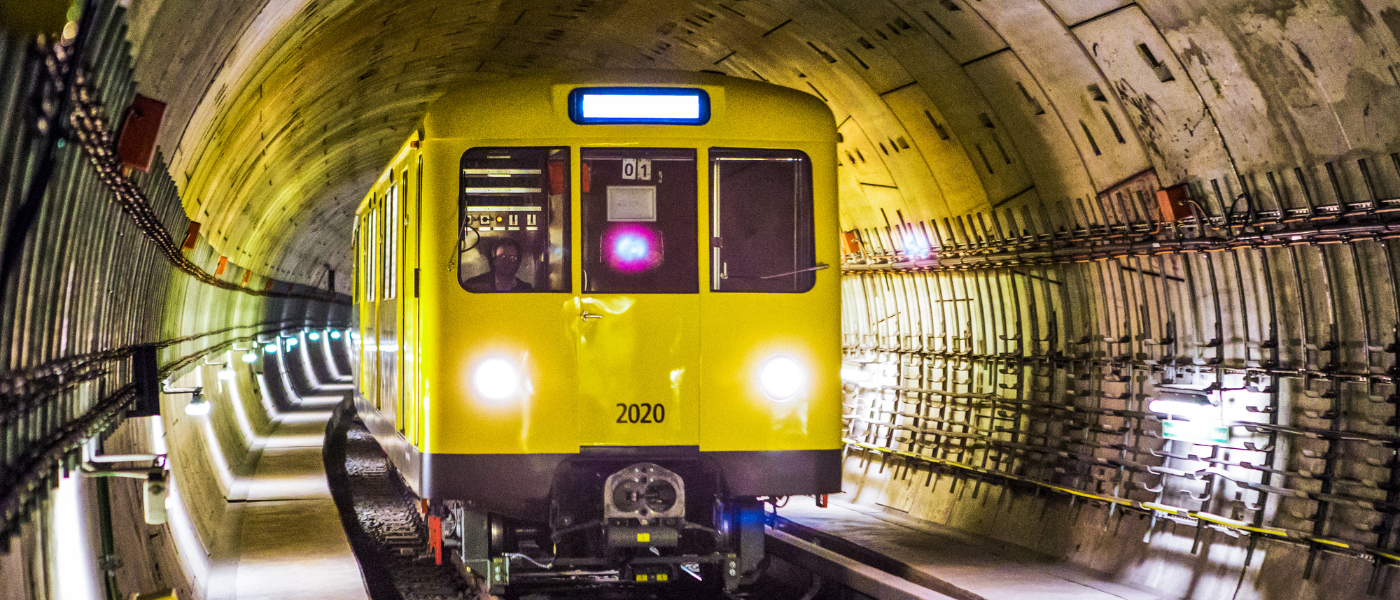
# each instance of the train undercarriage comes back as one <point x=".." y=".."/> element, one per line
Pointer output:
<point x="611" y="521"/>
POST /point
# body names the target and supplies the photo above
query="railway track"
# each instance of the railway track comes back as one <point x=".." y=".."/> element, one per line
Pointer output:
<point x="388" y="535"/>
<point x="385" y="529"/>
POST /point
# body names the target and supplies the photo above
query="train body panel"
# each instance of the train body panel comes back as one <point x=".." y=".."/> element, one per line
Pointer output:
<point x="664" y="306"/>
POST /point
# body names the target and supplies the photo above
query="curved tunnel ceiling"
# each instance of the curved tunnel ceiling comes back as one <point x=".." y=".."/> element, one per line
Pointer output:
<point x="283" y="113"/>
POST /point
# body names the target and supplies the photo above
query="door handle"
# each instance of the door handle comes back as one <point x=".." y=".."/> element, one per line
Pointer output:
<point x="588" y="316"/>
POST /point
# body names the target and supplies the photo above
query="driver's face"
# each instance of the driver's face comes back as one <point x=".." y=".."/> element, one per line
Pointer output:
<point x="506" y="260"/>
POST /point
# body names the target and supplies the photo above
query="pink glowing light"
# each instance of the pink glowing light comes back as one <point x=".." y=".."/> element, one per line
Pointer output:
<point x="632" y="248"/>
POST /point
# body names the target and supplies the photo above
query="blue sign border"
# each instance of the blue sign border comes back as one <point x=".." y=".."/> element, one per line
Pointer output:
<point x="576" y="105"/>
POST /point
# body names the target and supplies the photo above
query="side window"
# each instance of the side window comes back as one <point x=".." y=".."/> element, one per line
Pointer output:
<point x="514" y="220"/>
<point x="761" y="221"/>
<point x="383" y="222"/>
<point x="391" y="240"/>
<point x="639" y="221"/>
<point x="373" y="247"/>
<point x="358" y="276"/>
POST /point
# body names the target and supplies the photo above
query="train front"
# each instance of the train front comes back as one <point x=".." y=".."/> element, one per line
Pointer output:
<point x="630" y="331"/>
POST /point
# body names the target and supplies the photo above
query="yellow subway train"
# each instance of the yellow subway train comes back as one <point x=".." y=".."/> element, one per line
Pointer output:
<point x="595" y="323"/>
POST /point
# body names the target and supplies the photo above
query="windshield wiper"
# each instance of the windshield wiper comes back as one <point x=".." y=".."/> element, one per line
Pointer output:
<point x="816" y="268"/>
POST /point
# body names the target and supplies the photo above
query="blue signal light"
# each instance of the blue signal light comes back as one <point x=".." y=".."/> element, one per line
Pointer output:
<point x="637" y="105"/>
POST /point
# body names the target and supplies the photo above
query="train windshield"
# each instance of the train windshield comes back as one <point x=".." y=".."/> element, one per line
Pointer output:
<point x="514" y="220"/>
<point x="639" y="216"/>
<point x="761" y="221"/>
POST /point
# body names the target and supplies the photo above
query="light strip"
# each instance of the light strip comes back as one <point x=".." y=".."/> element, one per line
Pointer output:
<point x="491" y="172"/>
<point x="502" y="190"/>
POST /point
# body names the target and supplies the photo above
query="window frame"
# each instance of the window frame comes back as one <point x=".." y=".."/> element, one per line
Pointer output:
<point x="691" y="280"/>
<point x="805" y="184"/>
<point x="565" y="215"/>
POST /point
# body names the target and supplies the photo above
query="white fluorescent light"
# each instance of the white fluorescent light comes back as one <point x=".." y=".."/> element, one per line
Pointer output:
<point x="640" y="106"/>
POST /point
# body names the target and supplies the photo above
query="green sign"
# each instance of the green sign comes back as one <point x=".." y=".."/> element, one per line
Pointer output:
<point x="1198" y="433"/>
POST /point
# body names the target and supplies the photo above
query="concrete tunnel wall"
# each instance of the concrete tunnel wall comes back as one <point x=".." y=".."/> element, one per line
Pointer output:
<point x="1009" y="135"/>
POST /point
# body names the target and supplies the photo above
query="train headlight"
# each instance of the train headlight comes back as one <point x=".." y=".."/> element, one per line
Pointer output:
<point x="497" y="379"/>
<point x="781" y="378"/>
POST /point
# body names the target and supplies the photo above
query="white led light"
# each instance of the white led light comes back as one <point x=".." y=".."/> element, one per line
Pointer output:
<point x="854" y="374"/>
<point x="1178" y="408"/>
<point x="197" y="407"/>
<point x="496" y="379"/>
<point x="313" y="336"/>
<point x="270" y="348"/>
<point x="640" y="107"/>
<point x="226" y="375"/>
<point x="250" y="357"/>
<point x="335" y="335"/>
<point x="781" y="378"/>
<point x="291" y="342"/>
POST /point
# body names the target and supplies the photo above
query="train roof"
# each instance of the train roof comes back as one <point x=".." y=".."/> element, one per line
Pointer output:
<point x="537" y="106"/>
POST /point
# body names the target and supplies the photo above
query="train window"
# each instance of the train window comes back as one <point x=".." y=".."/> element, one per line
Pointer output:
<point x="514" y="220"/>
<point x="761" y="221"/>
<point x="639" y="220"/>
<point x="391" y="240"/>
<point x="374" y="249"/>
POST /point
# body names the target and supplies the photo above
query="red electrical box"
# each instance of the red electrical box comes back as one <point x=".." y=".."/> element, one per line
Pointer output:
<point x="850" y="242"/>
<point x="1172" y="203"/>
<point x="191" y="237"/>
<point x="137" y="144"/>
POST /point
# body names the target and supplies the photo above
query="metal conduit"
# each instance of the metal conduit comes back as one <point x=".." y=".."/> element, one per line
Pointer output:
<point x="1023" y="349"/>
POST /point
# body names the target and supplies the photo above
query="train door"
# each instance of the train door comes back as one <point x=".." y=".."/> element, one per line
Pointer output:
<point x="408" y="335"/>
<point x="415" y="344"/>
<point x="389" y="307"/>
<point x="358" y="290"/>
<point x="369" y="343"/>
<point x="638" y="348"/>
<point x="775" y="386"/>
<point x="514" y="261"/>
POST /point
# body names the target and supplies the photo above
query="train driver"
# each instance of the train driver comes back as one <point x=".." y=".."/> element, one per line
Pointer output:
<point x="505" y="262"/>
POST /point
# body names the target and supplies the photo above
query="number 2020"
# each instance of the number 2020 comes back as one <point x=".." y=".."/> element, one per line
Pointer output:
<point x="641" y="413"/>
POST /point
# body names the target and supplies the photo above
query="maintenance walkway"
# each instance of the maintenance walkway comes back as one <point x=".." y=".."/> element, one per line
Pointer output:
<point x="940" y="561"/>
<point x="290" y="543"/>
